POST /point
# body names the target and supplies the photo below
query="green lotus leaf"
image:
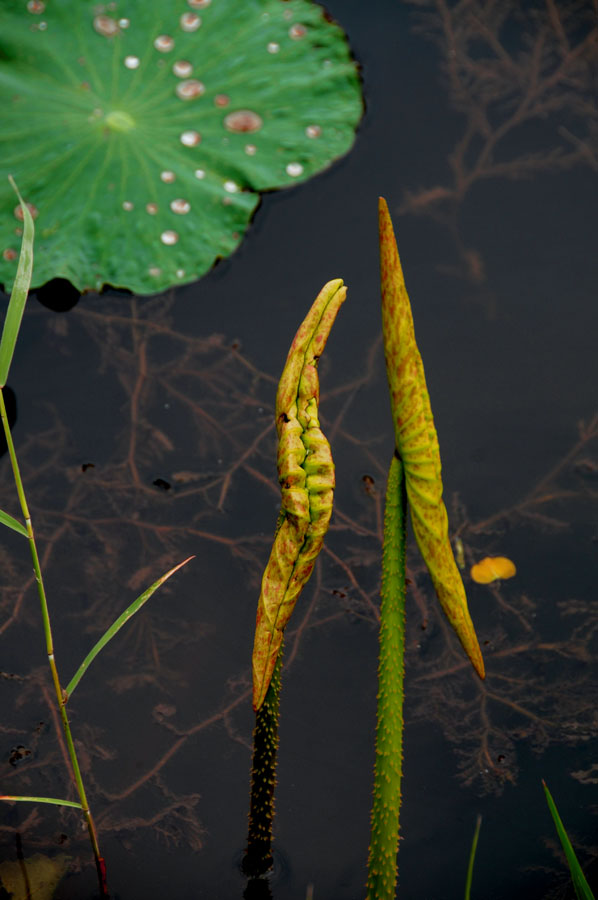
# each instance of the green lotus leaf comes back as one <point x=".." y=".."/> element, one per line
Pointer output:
<point x="140" y="131"/>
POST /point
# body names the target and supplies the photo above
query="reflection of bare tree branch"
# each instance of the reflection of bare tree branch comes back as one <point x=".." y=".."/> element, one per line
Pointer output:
<point x="502" y="85"/>
<point x="186" y="399"/>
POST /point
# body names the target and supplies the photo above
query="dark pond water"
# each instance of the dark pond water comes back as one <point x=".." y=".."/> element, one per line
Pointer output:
<point x="145" y="435"/>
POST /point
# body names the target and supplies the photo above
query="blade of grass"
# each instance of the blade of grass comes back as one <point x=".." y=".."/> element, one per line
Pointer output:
<point x="582" y="888"/>
<point x="43" y="800"/>
<point x="18" y="297"/>
<point x="7" y="520"/>
<point x="117" y="625"/>
<point x="472" y="852"/>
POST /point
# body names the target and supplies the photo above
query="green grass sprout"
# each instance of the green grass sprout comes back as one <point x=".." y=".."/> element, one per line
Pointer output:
<point x="582" y="888"/>
<point x="472" y="853"/>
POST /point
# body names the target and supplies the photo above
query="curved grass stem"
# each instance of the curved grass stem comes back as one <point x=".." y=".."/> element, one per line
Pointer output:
<point x="60" y="693"/>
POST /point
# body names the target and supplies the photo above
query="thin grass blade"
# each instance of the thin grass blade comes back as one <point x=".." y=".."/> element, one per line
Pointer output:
<point x="118" y="624"/>
<point x="18" y="297"/>
<point x="53" y="800"/>
<point x="7" y="520"/>
<point x="472" y="852"/>
<point x="582" y="888"/>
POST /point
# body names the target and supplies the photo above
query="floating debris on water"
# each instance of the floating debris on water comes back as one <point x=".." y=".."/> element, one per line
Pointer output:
<point x="493" y="568"/>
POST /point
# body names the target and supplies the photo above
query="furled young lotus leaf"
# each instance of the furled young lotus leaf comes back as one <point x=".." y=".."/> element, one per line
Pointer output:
<point x="417" y="442"/>
<point x="306" y="476"/>
<point x="141" y="130"/>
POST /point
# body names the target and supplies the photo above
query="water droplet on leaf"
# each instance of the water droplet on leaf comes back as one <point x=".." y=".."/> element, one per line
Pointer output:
<point x="190" y="138"/>
<point x="221" y="100"/>
<point x="127" y="205"/>
<point x="190" y="89"/>
<point x="164" y="43"/>
<point x="180" y="206"/>
<point x="294" y="169"/>
<point x="169" y="237"/>
<point x="132" y="62"/>
<point x="36" y="7"/>
<point x="250" y="149"/>
<point x="182" y="68"/>
<point x="313" y="131"/>
<point x="242" y="120"/>
<point x="273" y="47"/>
<point x="32" y="209"/>
<point x="151" y="208"/>
<point x="190" y="22"/>
<point x="297" y="31"/>
<point x="231" y="187"/>
<point x="167" y="176"/>
<point x="105" y="26"/>
<point x="199" y="173"/>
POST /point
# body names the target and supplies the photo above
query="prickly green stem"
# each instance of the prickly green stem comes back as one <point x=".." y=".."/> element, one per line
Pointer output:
<point x="258" y="856"/>
<point x="384" y="842"/>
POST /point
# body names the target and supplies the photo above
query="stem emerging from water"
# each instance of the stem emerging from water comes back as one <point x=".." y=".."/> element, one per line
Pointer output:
<point x="384" y="843"/>
<point x="258" y="856"/>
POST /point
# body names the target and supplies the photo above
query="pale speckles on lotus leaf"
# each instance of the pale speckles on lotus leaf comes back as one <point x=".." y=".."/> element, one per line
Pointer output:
<point x="180" y="206"/>
<point x="190" y="138"/>
<point x="190" y="21"/>
<point x="242" y="121"/>
<point x="190" y="89"/>
<point x="182" y="68"/>
<point x="194" y="104"/>
<point x="164" y="43"/>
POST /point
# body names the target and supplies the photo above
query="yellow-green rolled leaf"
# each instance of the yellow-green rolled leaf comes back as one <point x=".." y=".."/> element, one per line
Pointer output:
<point x="417" y="442"/>
<point x="306" y="476"/>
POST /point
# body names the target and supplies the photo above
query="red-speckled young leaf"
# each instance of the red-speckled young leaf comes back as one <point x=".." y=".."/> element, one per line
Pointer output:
<point x="306" y="476"/>
<point x="417" y="442"/>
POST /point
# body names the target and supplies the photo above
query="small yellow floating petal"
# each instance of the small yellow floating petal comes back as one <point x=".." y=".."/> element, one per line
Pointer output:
<point x="491" y="568"/>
